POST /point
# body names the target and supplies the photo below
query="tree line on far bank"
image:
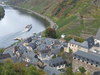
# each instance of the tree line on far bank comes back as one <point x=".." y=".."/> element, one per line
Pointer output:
<point x="2" y="12"/>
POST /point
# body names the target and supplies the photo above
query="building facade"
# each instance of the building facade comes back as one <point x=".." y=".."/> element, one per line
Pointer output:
<point x="90" y="61"/>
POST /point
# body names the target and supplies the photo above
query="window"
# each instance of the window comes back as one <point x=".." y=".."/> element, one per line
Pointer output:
<point x="96" y="65"/>
<point x="92" y="61"/>
<point x="91" y="64"/>
<point x="78" y="59"/>
<point x="97" y="62"/>
<point x="79" y="56"/>
<point x="87" y="59"/>
<point x="82" y="60"/>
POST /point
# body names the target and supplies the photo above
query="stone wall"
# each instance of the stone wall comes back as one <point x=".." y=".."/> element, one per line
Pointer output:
<point x="90" y="68"/>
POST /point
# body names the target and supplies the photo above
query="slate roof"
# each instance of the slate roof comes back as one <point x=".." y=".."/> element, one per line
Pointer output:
<point x="86" y="44"/>
<point x="22" y="49"/>
<point x="28" y="40"/>
<point x="98" y="34"/>
<point x="32" y="45"/>
<point x="4" y="56"/>
<point x="90" y="41"/>
<point x="49" y="41"/>
<point x="42" y="47"/>
<point x="56" y="61"/>
<point x="31" y="56"/>
<point x="92" y="57"/>
<point x="55" y="51"/>
<point x="97" y="73"/>
<point x="44" y="55"/>
<point x="50" y="71"/>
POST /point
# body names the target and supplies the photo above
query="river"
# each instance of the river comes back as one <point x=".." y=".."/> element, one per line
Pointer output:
<point x="13" y="24"/>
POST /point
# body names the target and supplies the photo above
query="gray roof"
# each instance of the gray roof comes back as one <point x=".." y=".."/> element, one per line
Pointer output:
<point x="56" y="51"/>
<point x="97" y="73"/>
<point x="91" y="56"/>
<point x="4" y="56"/>
<point x="49" y="41"/>
<point x="90" y="41"/>
<point x="32" y="45"/>
<point x="50" y="71"/>
<point x="98" y="34"/>
<point x="56" y="61"/>
<point x="28" y="40"/>
<point x="22" y="49"/>
<point x="31" y="56"/>
<point x="44" y="55"/>
<point x="42" y="47"/>
<point x="84" y="44"/>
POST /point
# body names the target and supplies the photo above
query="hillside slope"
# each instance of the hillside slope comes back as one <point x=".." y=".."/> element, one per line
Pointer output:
<point x="76" y="17"/>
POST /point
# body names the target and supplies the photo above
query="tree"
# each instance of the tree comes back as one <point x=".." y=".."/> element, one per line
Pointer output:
<point x="69" y="71"/>
<point x="1" y="50"/>
<point x="10" y="68"/>
<point x="79" y="39"/>
<point x="82" y="70"/>
<point x="2" y="12"/>
<point x="50" y="32"/>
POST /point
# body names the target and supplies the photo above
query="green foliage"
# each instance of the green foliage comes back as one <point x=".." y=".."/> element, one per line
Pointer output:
<point x="74" y="17"/>
<point x="1" y="50"/>
<point x="82" y="70"/>
<point x="76" y="38"/>
<point x="70" y="51"/>
<point x="68" y="38"/>
<point x="69" y="71"/>
<point x="10" y="68"/>
<point x="2" y="12"/>
<point x="49" y="32"/>
<point x="79" y="39"/>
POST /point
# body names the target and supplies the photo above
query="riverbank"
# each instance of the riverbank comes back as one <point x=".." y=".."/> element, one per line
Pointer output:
<point x="14" y="22"/>
<point x="2" y="12"/>
<point x="52" y="24"/>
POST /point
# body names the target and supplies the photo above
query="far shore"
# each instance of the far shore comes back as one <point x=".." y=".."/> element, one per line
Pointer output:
<point x="52" y="24"/>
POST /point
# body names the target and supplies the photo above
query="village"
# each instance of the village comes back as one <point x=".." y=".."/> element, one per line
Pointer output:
<point x="47" y="54"/>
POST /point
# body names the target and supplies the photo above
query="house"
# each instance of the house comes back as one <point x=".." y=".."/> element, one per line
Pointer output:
<point x="29" y="58"/>
<point x="97" y="38"/>
<point x="90" y="61"/>
<point x="97" y="73"/>
<point x="51" y="71"/>
<point x="31" y="46"/>
<point x="4" y="56"/>
<point x="56" y="51"/>
<point x="45" y="54"/>
<point x="22" y="54"/>
<point x="84" y="46"/>
<point x="19" y="50"/>
<point x="57" y="63"/>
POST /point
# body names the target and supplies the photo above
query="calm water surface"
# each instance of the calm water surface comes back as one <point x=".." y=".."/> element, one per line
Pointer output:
<point x="13" y="24"/>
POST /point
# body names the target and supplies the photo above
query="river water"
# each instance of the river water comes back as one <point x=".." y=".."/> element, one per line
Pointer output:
<point x="13" y="24"/>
